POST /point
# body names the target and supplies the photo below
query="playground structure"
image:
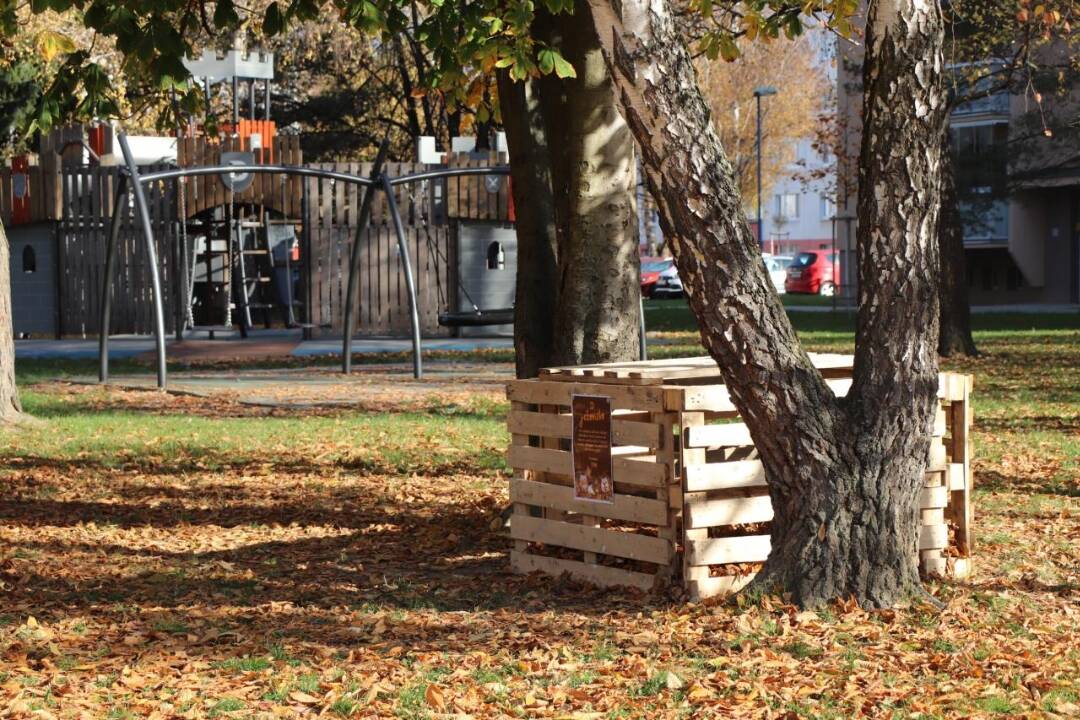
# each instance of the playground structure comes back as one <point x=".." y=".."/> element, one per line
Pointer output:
<point x="690" y="501"/>
<point x="286" y="239"/>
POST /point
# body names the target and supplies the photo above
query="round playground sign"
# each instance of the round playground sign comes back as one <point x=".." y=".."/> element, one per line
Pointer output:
<point x="237" y="181"/>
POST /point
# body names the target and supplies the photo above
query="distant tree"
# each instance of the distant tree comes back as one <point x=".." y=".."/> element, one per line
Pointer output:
<point x="794" y="69"/>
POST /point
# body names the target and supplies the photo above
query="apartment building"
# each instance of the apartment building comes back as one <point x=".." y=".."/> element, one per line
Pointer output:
<point x="1018" y="174"/>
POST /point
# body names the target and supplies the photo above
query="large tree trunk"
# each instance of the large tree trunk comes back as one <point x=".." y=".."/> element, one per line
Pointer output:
<point x="844" y="474"/>
<point x="955" y="334"/>
<point x="10" y="408"/>
<point x="594" y="182"/>
<point x="535" y="299"/>
<point x="578" y="269"/>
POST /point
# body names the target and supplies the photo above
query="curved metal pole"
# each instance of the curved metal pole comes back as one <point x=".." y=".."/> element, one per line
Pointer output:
<point x="284" y="169"/>
<point x="410" y="285"/>
<point x="354" y="257"/>
<point x="450" y="172"/>
<point x="106" y="294"/>
<point x="151" y="256"/>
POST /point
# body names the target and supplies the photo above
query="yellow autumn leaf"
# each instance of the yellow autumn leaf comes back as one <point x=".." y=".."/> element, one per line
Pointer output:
<point x="434" y="697"/>
<point x="51" y="43"/>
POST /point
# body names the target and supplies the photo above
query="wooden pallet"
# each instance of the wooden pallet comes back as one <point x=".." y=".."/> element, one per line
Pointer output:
<point x="628" y="542"/>
<point x="675" y="371"/>
<point x="687" y="473"/>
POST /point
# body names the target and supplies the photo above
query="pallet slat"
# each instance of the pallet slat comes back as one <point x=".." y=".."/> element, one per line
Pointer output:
<point x="624" y="507"/>
<point x="594" y="539"/>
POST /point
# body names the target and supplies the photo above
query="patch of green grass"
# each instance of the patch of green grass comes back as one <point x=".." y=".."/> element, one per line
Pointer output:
<point x="801" y="650"/>
<point x="943" y="646"/>
<point x="344" y="707"/>
<point x="173" y="627"/>
<point x="583" y="677"/>
<point x="225" y="705"/>
<point x="244" y="664"/>
<point x="1059" y="696"/>
<point x="308" y="682"/>
<point x="996" y="704"/>
<point x="652" y="686"/>
<point x="411" y="703"/>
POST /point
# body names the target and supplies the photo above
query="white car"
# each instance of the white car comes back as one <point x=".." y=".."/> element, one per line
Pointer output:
<point x="777" y="266"/>
<point x="668" y="284"/>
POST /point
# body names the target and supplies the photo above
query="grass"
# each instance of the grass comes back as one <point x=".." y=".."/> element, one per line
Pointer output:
<point x="346" y="561"/>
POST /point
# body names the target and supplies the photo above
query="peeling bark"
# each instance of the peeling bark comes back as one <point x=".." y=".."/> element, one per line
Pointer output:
<point x="844" y="474"/>
<point x="10" y="407"/>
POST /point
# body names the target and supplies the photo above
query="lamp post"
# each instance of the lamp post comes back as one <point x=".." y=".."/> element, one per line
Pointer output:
<point x="760" y="92"/>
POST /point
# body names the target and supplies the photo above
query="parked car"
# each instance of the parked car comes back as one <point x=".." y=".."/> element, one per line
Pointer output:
<point x="777" y="266"/>
<point x="816" y="273"/>
<point x="650" y="273"/>
<point x="669" y="283"/>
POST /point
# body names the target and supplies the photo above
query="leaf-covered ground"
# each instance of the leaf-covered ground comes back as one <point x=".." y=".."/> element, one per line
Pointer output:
<point x="172" y="556"/>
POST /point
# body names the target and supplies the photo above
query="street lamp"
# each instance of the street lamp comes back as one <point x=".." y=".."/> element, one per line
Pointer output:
<point x="760" y="92"/>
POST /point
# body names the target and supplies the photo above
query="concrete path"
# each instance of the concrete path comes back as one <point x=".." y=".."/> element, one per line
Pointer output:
<point x="261" y="343"/>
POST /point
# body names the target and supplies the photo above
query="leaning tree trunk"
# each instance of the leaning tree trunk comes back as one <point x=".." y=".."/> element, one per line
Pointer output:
<point x="592" y="161"/>
<point x="843" y="474"/>
<point x="10" y="408"/>
<point x="955" y="336"/>
<point x="537" y="263"/>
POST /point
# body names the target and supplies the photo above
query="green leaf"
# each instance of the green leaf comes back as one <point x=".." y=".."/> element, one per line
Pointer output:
<point x="562" y="68"/>
<point x="273" y="20"/>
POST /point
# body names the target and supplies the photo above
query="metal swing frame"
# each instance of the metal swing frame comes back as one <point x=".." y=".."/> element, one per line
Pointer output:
<point x="133" y="182"/>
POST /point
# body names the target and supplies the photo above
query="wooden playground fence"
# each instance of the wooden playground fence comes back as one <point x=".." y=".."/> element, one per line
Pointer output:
<point x="323" y="211"/>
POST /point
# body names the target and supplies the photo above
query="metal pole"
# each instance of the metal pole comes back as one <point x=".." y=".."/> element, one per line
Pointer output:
<point x="106" y="295"/>
<point x="643" y="352"/>
<point x="267" y="111"/>
<point x="354" y="257"/>
<point x="410" y="285"/>
<point x="760" y="229"/>
<point x="151" y="257"/>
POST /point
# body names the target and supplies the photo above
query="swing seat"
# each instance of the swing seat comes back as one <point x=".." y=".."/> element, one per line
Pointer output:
<point x="477" y="318"/>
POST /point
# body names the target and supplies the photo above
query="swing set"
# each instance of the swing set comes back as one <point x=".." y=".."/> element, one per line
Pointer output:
<point x="132" y="182"/>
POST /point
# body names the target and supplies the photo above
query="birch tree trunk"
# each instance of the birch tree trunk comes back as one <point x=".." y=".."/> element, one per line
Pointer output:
<point x="10" y="407"/>
<point x="844" y="474"/>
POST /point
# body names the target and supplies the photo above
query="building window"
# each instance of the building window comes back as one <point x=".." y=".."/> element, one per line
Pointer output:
<point x="29" y="260"/>
<point x="828" y="207"/>
<point x="787" y="206"/>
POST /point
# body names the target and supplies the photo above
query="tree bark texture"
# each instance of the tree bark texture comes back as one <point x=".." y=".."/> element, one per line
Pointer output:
<point x="592" y="158"/>
<point x="537" y="266"/>
<point x="844" y="475"/>
<point x="572" y="166"/>
<point x="10" y="407"/>
<point x="955" y="336"/>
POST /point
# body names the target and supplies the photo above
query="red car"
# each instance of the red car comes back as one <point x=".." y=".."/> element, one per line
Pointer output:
<point x="816" y="273"/>
<point x="650" y="273"/>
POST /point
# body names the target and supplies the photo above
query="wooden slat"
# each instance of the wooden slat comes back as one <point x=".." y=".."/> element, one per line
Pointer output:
<point x="725" y="475"/>
<point x="599" y="575"/>
<point x="624" y="507"/>
<point x="594" y="539"/>
<point x="934" y="497"/>
<point x="559" y="393"/>
<point x="706" y="587"/>
<point x="712" y="512"/>
<point x="726" y="435"/>
<point x="957" y="476"/>
<point x="933" y="536"/>
<point x="721" y="551"/>
<point x="561" y="426"/>
<point x="559" y="462"/>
